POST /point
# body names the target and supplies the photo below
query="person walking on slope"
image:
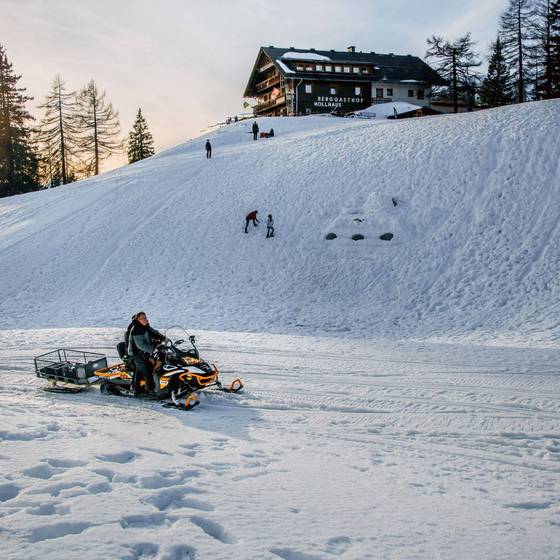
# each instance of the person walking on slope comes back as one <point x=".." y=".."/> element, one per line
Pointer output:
<point x="141" y="341"/>
<point x="269" y="227"/>
<point x="255" y="130"/>
<point x="251" y="216"/>
<point x="208" y="147"/>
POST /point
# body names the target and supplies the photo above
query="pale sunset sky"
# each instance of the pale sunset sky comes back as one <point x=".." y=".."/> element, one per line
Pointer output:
<point x="186" y="62"/>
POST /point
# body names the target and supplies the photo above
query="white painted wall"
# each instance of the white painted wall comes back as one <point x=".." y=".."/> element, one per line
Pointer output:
<point x="400" y="92"/>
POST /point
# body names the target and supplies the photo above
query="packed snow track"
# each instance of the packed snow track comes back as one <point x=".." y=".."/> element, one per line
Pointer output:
<point x="336" y="449"/>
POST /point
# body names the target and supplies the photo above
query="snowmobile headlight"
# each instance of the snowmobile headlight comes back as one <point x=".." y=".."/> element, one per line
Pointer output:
<point x="190" y="361"/>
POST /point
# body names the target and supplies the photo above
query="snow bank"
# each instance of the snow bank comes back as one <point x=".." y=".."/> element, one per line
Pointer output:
<point x="384" y="110"/>
<point x="474" y="253"/>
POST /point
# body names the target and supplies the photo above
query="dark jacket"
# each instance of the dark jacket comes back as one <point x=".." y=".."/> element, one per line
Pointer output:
<point x="208" y="145"/>
<point x="255" y="127"/>
<point x="142" y="340"/>
<point x="252" y="216"/>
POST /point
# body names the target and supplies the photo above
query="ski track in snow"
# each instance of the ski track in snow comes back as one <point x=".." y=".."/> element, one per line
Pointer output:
<point x="336" y="449"/>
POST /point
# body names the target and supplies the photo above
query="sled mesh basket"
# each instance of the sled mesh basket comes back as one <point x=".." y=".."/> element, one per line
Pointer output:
<point x="69" y="366"/>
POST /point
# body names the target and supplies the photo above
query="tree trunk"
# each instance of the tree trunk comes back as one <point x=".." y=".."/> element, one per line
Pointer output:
<point x="62" y="150"/>
<point x="455" y="94"/>
<point x="521" y="82"/>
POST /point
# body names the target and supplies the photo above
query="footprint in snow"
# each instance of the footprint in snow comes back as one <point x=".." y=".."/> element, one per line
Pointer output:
<point x="180" y="552"/>
<point x="121" y="457"/>
<point x="41" y="471"/>
<point x="56" y="530"/>
<point x="213" y="529"/>
<point x="141" y="550"/>
<point x="338" y="545"/>
<point x="291" y="554"/>
<point x="8" y="492"/>
<point x="66" y="463"/>
<point x="174" y="498"/>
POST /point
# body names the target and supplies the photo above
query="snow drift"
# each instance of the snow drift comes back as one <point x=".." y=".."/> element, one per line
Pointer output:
<point x="475" y="248"/>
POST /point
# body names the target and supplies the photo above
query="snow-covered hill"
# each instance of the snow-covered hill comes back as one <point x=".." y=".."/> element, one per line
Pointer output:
<point x="475" y="249"/>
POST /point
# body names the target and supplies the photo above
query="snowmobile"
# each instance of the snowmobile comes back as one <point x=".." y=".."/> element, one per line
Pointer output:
<point x="180" y="371"/>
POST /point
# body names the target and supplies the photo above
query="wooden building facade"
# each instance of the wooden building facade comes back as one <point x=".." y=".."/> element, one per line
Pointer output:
<point x="298" y="82"/>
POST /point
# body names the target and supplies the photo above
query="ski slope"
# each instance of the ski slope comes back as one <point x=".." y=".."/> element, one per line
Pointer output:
<point x="336" y="450"/>
<point x="402" y="398"/>
<point x="475" y="251"/>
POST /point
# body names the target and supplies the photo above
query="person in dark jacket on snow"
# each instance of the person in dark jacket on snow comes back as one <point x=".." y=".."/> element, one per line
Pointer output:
<point x="208" y="147"/>
<point x="142" y="341"/>
<point x="251" y="216"/>
<point x="255" y="129"/>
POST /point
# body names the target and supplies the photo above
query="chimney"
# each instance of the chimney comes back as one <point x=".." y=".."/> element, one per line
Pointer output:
<point x="351" y="49"/>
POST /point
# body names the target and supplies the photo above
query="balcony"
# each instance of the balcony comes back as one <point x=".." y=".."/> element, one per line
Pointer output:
<point x="269" y="82"/>
<point x="271" y="103"/>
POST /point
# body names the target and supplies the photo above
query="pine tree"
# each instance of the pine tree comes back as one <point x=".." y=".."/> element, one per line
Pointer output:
<point x="555" y="50"/>
<point x="140" y="141"/>
<point x="497" y="87"/>
<point x="547" y="81"/>
<point x="99" y="127"/>
<point x="59" y="131"/>
<point x="540" y="63"/>
<point x="18" y="160"/>
<point x="517" y="35"/>
<point x="454" y="62"/>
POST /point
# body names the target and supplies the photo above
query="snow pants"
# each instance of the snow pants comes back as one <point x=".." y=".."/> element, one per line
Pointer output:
<point x="143" y="373"/>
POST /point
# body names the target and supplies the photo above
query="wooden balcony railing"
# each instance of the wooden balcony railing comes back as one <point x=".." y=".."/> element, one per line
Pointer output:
<point x="270" y="103"/>
<point x="269" y="82"/>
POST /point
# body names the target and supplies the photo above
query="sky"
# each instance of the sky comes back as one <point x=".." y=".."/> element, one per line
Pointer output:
<point x="186" y="62"/>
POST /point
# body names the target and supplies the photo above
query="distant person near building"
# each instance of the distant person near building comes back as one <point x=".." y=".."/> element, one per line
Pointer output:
<point x="255" y="130"/>
<point x="208" y="149"/>
<point x="251" y="216"/>
<point x="269" y="227"/>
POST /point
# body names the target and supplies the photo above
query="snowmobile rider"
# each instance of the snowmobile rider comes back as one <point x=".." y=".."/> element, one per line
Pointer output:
<point x="142" y="341"/>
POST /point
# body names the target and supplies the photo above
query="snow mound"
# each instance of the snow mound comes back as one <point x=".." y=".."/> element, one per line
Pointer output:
<point x="475" y="248"/>
<point x="385" y="110"/>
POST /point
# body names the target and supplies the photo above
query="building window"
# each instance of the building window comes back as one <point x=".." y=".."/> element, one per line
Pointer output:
<point x="309" y="68"/>
<point x="347" y="69"/>
<point x="299" y="68"/>
<point x="333" y="90"/>
<point x="379" y="93"/>
<point x="308" y="88"/>
<point x="356" y="69"/>
<point x="365" y="71"/>
<point x="328" y="68"/>
<point x="420" y="94"/>
<point x="390" y="92"/>
<point x="357" y="90"/>
<point x="319" y="67"/>
<point x="338" y="68"/>
<point x="410" y="93"/>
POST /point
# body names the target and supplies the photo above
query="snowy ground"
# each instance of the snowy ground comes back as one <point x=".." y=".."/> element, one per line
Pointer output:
<point x="336" y="449"/>
<point x="476" y="247"/>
